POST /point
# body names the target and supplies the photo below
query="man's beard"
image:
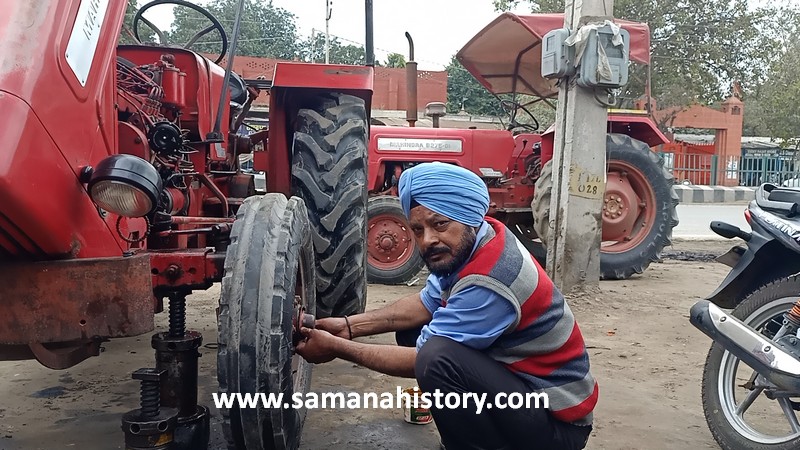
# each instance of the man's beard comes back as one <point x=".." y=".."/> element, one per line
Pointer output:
<point x="459" y="256"/>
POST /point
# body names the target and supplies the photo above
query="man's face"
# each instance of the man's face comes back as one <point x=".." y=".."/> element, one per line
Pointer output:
<point x="444" y="243"/>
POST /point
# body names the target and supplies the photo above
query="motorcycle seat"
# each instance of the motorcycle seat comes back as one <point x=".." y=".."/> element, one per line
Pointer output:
<point x="784" y="199"/>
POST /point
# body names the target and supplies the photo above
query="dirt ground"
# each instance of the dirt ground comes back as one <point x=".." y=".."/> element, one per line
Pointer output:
<point x="645" y="354"/>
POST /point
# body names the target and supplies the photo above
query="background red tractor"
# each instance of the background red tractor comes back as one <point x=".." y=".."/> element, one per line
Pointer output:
<point x="505" y="57"/>
<point x="120" y="187"/>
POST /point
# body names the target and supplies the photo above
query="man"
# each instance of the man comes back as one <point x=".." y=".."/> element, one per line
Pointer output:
<point x="488" y="321"/>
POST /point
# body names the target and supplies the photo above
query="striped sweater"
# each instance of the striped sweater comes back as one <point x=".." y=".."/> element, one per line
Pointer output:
<point x="544" y="345"/>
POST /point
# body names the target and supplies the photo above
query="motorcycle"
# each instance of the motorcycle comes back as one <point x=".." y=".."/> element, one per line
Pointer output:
<point x="751" y="379"/>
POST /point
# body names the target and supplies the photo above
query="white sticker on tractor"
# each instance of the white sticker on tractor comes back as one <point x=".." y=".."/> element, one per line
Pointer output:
<point x="420" y="145"/>
<point x="85" y="35"/>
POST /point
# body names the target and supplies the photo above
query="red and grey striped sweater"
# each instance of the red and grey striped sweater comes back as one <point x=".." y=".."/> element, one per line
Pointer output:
<point x="544" y="345"/>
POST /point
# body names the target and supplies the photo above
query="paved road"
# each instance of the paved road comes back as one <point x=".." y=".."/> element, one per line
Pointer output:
<point x="695" y="219"/>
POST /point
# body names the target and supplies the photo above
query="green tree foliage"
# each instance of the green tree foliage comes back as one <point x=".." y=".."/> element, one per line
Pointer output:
<point x="464" y="92"/>
<point x="313" y="50"/>
<point x="265" y="30"/>
<point x="773" y="107"/>
<point x="700" y="47"/>
<point x="126" y="36"/>
<point x="395" y="60"/>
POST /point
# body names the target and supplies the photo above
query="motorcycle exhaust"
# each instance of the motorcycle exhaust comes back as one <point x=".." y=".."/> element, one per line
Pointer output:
<point x="762" y="354"/>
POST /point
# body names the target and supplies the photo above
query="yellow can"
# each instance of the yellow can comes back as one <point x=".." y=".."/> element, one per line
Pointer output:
<point x="416" y="414"/>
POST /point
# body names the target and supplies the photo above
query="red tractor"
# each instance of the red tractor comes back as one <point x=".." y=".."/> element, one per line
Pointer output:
<point x="640" y="204"/>
<point x="120" y="187"/>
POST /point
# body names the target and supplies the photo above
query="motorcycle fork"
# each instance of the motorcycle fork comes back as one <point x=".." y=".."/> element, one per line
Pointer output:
<point x="791" y="322"/>
<point x="790" y="325"/>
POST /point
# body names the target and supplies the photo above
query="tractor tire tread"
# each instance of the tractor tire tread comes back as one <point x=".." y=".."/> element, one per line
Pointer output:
<point x="635" y="260"/>
<point x="329" y="172"/>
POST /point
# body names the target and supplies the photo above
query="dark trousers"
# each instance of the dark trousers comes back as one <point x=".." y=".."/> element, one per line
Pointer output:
<point x="447" y="366"/>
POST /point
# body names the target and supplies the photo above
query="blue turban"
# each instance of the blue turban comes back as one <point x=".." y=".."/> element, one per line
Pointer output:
<point x="447" y="189"/>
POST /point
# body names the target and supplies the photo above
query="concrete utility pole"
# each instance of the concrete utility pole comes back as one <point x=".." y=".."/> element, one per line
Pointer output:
<point x="579" y="170"/>
<point x="328" y="12"/>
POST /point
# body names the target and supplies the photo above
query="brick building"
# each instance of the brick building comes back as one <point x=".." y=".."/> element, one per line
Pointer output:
<point x="389" y="85"/>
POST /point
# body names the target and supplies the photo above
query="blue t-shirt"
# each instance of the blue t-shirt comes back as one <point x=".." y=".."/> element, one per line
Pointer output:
<point x="474" y="316"/>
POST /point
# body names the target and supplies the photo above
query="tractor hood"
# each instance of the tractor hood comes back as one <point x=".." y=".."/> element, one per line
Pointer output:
<point x="506" y="55"/>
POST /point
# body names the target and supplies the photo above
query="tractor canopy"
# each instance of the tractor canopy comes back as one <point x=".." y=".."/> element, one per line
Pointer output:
<point x="506" y="55"/>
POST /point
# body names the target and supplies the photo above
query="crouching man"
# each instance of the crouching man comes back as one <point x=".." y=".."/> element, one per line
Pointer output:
<point x="488" y="321"/>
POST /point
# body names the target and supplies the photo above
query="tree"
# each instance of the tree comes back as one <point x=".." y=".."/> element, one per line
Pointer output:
<point x="126" y="36"/>
<point x="395" y="60"/>
<point x="265" y="30"/>
<point x="698" y="47"/>
<point x="313" y="50"/>
<point x="464" y="92"/>
<point x="773" y="107"/>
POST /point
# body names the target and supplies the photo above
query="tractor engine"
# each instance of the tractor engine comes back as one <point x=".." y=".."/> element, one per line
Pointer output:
<point x="151" y="99"/>
<point x="157" y="123"/>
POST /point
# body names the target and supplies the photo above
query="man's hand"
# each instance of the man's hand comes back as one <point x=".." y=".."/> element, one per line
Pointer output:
<point x="336" y="326"/>
<point x="318" y="347"/>
<point x="404" y="314"/>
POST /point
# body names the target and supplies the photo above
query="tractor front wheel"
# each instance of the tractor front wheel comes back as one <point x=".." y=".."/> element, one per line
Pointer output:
<point x="268" y="284"/>
<point x="393" y="255"/>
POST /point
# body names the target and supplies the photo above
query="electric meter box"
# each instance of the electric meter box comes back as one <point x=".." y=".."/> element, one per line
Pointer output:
<point x="558" y="59"/>
<point x="618" y="57"/>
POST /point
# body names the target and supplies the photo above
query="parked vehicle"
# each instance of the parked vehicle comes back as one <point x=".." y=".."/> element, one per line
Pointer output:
<point x="791" y="182"/>
<point x="639" y="212"/>
<point x="120" y="188"/>
<point x="751" y="380"/>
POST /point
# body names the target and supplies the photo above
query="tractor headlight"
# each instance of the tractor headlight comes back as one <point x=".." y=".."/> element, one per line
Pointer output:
<point x="126" y="185"/>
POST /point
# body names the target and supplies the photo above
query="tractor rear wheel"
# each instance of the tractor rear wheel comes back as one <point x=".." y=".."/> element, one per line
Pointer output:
<point x="393" y="257"/>
<point x="329" y="172"/>
<point x="639" y="210"/>
<point x="268" y="282"/>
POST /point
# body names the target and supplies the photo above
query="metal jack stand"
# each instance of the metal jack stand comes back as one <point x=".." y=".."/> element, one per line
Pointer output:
<point x="150" y="426"/>
<point x="176" y="353"/>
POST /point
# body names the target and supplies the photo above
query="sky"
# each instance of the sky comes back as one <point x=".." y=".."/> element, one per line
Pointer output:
<point x="439" y="28"/>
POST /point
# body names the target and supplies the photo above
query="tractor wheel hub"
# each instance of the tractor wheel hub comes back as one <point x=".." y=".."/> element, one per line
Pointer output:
<point x="614" y="207"/>
<point x="386" y="242"/>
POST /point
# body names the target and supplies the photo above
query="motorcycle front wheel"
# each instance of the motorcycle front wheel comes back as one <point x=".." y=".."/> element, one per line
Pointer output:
<point x="737" y="409"/>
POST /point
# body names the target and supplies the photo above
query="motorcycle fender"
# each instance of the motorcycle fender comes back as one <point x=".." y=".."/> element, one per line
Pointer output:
<point x="747" y="265"/>
<point x="732" y="257"/>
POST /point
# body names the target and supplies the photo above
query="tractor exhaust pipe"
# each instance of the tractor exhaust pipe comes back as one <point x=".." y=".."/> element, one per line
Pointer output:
<point x="369" y="43"/>
<point x="763" y="355"/>
<point x="411" y="84"/>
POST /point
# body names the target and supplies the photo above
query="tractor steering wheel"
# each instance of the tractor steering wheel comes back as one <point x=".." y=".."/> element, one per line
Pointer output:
<point x="511" y="107"/>
<point x="215" y="25"/>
